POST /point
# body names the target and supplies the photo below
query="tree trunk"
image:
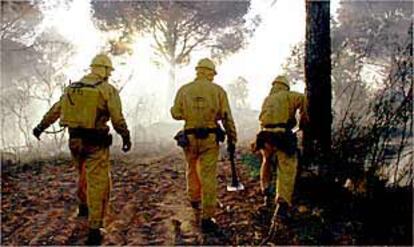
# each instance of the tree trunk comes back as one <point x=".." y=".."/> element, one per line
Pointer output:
<point x="318" y="82"/>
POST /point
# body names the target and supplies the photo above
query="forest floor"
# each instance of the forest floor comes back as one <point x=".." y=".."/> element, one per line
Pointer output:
<point x="150" y="207"/>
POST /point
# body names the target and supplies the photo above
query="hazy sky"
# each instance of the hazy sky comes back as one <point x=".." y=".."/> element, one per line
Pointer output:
<point x="283" y="25"/>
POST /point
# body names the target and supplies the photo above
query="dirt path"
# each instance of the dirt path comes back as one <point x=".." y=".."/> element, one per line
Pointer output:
<point x="149" y="206"/>
<point x="154" y="205"/>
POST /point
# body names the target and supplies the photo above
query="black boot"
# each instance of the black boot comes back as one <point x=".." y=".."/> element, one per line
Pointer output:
<point x="264" y="211"/>
<point x="267" y="201"/>
<point x="283" y="212"/>
<point x="94" y="237"/>
<point x="195" y="205"/>
<point x="83" y="210"/>
<point x="209" y="225"/>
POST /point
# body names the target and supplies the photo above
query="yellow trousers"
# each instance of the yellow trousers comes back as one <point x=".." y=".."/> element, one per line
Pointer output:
<point x="94" y="181"/>
<point x="202" y="156"/>
<point x="286" y="172"/>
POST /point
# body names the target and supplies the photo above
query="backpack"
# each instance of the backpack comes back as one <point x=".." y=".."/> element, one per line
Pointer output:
<point x="79" y="105"/>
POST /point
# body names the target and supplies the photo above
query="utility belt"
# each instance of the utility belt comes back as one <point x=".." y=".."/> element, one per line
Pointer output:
<point x="199" y="133"/>
<point x="284" y="140"/>
<point x="91" y="136"/>
<point x="278" y="125"/>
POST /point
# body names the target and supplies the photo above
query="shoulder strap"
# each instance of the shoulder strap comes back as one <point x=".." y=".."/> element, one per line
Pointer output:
<point x="98" y="83"/>
<point x="81" y="84"/>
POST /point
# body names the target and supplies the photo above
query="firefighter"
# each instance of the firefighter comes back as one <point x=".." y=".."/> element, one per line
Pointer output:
<point x="85" y="107"/>
<point x="278" y="144"/>
<point x="202" y="104"/>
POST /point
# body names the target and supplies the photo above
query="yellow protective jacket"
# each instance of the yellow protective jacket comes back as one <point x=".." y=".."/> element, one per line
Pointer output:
<point x="202" y="104"/>
<point x="280" y="107"/>
<point x="109" y="108"/>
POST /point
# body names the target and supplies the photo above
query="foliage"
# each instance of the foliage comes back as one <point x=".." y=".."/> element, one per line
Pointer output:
<point x="370" y="140"/>
<point x="373" y="29"/>
<point x="372" y="88"/>
<point x="294" y="65"/>
<point x="253" y="163"/>
<point x="34" y="74"/>
<point x="179" y="27"/>
<point x="19" y="18"/>
<point x="50" y="70"/>
<point x="377" y="129"/>
<point x="238" y="93"/>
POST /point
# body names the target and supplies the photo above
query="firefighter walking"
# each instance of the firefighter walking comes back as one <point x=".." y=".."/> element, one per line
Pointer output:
<point x="277" y="143"/>
<point x="85" y="107"/>
<point x="202" y="104"/>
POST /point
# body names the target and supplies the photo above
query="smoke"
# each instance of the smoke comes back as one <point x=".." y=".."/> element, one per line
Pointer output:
<point x="140" y="76"/>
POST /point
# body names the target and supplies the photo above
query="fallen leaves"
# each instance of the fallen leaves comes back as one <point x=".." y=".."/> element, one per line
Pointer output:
<point x="149" y="206"/>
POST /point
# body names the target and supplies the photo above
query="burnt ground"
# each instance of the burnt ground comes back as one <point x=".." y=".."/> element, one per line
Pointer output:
<point x="149" y="207"/>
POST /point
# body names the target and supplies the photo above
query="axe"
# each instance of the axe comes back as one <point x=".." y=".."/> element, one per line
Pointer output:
<point x="235" y="185"/>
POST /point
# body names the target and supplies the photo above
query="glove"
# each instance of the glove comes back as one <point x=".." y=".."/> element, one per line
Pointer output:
<point x="38" y="131"/>
<point x="231" y="147"/>
<point x="126" y="143"/>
